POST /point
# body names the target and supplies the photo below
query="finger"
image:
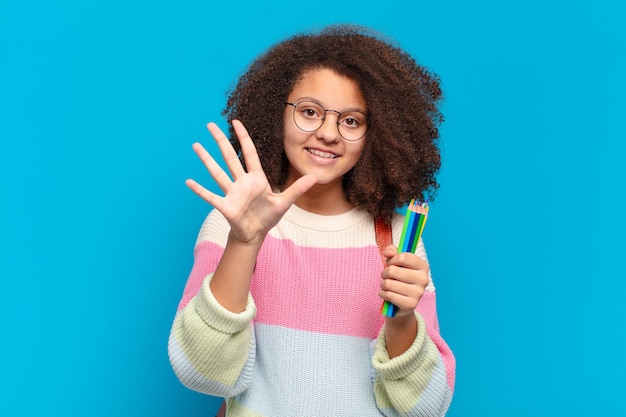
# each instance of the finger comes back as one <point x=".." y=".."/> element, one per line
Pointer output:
<point x="406" y="275"/>
<point x="227" y="150"/>
<point x="206" y="195"/>
<point x="403" y="295"/>
<point x="248" y="149"/>
<point x="403" y="302"/>
<point x="221" y="178"/>
<point x="404" y="286"/>
<point x="404" y="259"/>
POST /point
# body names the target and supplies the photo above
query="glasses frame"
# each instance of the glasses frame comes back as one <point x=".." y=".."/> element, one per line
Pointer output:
<point x="293" y="115"/>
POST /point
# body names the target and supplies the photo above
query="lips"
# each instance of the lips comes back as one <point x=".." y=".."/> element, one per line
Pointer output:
<point x="322" y="154"/>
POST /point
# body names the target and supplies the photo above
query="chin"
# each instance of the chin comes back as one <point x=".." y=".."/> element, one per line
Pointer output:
<point x="325" y="180"/>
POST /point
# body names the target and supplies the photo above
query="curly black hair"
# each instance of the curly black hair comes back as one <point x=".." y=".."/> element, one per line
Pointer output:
<point x="401" y="156"/>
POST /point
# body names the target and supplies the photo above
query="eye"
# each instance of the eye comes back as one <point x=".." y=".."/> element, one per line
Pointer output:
<point x="353" y="121"/>
<point x="310" y="110"/>
<point x="350" y="122"/>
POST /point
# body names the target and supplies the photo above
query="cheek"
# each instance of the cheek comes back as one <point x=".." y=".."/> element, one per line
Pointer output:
<point x="289" y="134"/>
<point x="356" y="149"/>
<point x="291" y="145"/>
<point x="288" y="124"/>
<point x="292" y="137"/>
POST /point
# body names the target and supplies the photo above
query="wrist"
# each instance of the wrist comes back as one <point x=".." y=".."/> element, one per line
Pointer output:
<point x="401" y="322"/>
<point x="400" y="332"/>
<point x="254" y="243"/>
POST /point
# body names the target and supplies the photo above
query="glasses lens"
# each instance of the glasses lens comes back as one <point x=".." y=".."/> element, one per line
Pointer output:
<point x="308" y="116"/>
<point x="352" y="125"/>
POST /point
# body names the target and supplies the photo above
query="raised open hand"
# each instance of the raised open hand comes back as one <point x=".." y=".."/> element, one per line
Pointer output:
<point x="249" y="204"/>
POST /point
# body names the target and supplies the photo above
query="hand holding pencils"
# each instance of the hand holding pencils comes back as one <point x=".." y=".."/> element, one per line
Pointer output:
<point x="414" y="222"/>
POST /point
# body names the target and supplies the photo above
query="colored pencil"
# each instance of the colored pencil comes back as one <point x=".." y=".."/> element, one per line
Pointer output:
<point x="414" y="222"/>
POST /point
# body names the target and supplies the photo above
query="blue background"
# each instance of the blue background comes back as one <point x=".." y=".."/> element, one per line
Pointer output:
<point x="101" y="100"/>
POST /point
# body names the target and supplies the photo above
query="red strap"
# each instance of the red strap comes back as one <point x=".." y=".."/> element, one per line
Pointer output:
<point x="222" y="411"/>
<point x="383" y="235"/>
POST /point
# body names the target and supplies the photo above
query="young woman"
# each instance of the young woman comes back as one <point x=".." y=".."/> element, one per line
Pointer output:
<point x="330" y="131"/>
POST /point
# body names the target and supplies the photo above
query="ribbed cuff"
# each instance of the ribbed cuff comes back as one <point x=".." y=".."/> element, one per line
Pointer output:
<point x="405" y="364"/>
<point x="218" y="317"/>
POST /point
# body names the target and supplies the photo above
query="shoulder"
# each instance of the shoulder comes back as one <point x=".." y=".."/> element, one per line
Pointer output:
<point x="215" y="228"/>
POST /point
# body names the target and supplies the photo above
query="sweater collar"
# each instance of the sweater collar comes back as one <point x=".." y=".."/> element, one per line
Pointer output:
<point x="330" y="223"/>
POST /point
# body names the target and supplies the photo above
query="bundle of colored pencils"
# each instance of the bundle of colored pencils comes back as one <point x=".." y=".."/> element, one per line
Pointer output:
<point x="414" y="222"/>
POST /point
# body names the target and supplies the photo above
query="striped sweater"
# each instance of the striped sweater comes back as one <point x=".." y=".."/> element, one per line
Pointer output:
<point x="311" y="340"/>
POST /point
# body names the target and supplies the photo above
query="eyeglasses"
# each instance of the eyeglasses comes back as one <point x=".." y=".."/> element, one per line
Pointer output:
<point x="310" y="116"/>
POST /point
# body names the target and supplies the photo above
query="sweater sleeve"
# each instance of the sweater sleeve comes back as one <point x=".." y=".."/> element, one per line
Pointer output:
<point x="211" y="349"/>
<point x="414" y="383"/>
<point x="420" y="382"/>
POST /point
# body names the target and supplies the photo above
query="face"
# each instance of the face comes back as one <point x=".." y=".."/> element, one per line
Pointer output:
<point x="324" y="151"/>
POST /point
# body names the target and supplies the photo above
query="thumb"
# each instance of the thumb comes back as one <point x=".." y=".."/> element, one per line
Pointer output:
<point x="300" y="187"/>
<point x="390" y="251"/>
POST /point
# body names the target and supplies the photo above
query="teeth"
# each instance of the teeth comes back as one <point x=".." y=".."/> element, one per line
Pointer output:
<point x="321" y="154"/>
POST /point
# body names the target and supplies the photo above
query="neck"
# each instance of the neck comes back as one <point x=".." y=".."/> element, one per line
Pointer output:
<point x="325" y="199"/>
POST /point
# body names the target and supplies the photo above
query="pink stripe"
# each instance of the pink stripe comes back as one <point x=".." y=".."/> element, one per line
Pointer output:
<point x="206" y="256"/>
<point x="291" y="296"/>
<point x="332" y="291"/>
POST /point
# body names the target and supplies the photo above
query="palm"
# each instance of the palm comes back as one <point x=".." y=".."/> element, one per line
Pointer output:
<point x="251" y="207"/>
<point x="249" y="204"/>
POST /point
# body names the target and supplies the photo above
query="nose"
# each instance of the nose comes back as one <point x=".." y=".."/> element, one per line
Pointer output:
<point x="329" y="130"/>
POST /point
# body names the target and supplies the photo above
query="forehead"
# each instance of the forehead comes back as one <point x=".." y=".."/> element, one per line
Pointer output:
<point x="330" y="88"/>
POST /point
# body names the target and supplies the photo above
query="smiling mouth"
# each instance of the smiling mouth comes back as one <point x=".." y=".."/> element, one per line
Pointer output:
<point x="321" y="154"/>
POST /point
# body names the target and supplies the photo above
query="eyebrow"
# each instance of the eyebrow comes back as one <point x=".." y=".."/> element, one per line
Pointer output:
<point x="314" y="100"/>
